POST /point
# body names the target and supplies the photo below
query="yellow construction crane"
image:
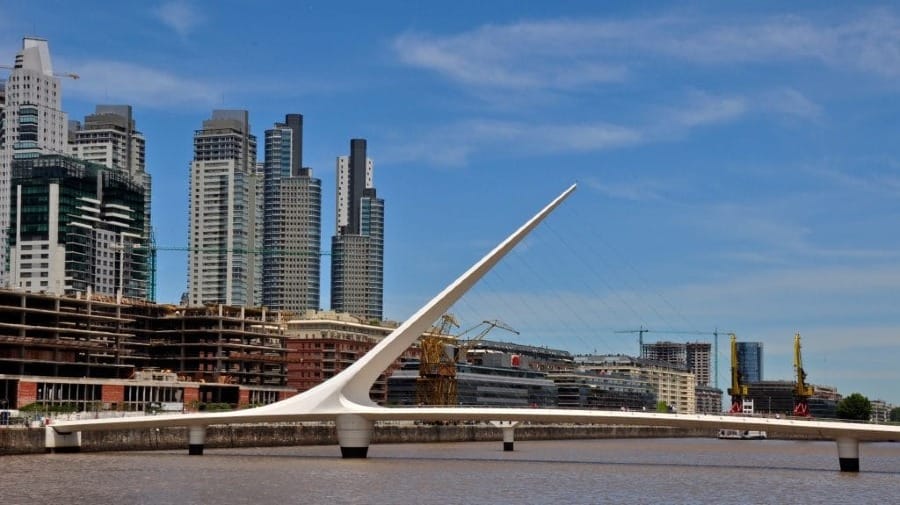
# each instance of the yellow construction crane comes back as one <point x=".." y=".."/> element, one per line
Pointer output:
<point x="802" y="390"/>
<point x="463" y="346"/>
<point x="737" y="390"/>
<point x="436" y="384"/>
<point x="440" y="353"/>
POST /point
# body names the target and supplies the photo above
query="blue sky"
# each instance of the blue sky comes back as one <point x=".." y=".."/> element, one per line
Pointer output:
<point x="738" y="165"/>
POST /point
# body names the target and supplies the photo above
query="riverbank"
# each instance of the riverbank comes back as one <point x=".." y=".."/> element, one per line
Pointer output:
<point x="31" y="440"/>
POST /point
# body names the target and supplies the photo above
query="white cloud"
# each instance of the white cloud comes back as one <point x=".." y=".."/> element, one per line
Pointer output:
<point x="453" y="144"/>
<point x="112" y="81"/>
<point x="642" y="190"/>
<point x="566" y="54"/>
<point x="521" y="56"/>
<point x="703" y="109"/>
<point x="777" y="231"/>
<point x="790" y="102"/>
<point x="880" y="180"/>
<point x="179" y="16"/>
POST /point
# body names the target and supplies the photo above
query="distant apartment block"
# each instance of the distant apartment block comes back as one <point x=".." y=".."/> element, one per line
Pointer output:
<point x="321" y="344"/>
<point x="695" y="356"/>
<point x="673" y="384"/>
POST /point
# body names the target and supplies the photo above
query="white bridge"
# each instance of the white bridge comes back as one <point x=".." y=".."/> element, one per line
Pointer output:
<point x="345" y="400"/>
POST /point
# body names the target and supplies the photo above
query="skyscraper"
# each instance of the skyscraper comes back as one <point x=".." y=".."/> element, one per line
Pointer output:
<point x="34" y="124"/>
<point x="292" y="221"/>
<point x="223" y="236"/>
<point x="357" y="248"/>
<point x="750" y="361"/>
<point x="77" y="227"/>
<point x="108" y="137"/>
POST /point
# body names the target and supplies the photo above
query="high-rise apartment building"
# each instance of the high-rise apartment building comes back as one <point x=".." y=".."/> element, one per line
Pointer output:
<point x="750" y="361"/>
<point x="109" y="138"/>
<point x="357" y="248"/>
<point x="695" y="356"/>
<point x="77" y="228"/>
<point x="2" y="107"/>
<point x="292" y="222"/>
<point x="699" y="358"/>
<point x="34" y="124"/>
<point x="223" y="237"/>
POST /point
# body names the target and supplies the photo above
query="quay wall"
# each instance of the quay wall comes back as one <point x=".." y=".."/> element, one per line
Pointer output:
<point x="31" y="440"/>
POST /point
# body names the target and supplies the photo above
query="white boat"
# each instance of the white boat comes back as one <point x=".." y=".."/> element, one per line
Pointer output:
<point x="742" y="434"/>
<point x="747" y="409"/>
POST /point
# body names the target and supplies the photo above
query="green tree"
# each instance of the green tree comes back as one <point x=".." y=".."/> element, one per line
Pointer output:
<point x="856" y="407"/>
<point x="895" y="414"/>
<point x="662" y="407"/>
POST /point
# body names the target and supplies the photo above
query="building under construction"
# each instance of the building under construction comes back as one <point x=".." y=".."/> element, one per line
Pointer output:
<point x="88" y="351"/>
<point x="695" y="356"/>
<point x="239" y="349"/>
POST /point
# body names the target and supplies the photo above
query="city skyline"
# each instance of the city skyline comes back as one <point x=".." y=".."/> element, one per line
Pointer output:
<point x="739" y="162"/>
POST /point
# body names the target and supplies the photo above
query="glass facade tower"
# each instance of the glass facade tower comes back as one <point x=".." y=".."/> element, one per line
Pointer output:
<point x="357" y="249"/>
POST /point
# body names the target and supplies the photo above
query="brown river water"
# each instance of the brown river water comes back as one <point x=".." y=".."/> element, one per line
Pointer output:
<point x="558" y="472"/>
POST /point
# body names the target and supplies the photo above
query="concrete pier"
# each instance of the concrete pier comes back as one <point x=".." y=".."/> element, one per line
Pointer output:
<point x="196" y="440"/>
<point x="61" y="442"/>
<point x="848" y="454"/>
<point x="354" y="433"/>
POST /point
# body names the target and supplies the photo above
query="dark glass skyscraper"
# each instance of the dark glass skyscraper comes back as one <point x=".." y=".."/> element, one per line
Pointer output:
<point x="750" y="361"/>
<point x="357" y="248"/>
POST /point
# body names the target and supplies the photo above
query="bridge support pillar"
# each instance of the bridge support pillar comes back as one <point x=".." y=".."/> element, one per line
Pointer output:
<point x="196" y="440"/>
<point x="848" y="454"/>
<point x="509" y="433"/>
<point x="61" y="442"/>
<point x="354" y="432"/>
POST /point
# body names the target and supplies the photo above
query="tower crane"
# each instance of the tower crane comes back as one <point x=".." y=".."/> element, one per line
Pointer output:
<point x="640" y="331"/>
<point x="737" y="390"/>
<point x="441" y="351"/>
<point x="463" y="346"/>
<point x="715" y="333"/>
<point x="436" y="384"/>
<point x="802" y="390"/>
<point x="69" y="75"/>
